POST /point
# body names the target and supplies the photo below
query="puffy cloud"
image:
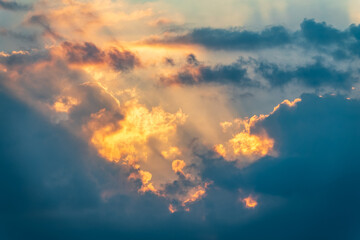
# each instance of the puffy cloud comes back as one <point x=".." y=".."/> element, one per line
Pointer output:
<point x="321" y="33"/>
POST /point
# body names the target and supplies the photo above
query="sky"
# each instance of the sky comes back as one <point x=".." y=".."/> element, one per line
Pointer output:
<point x="154" y="119"/>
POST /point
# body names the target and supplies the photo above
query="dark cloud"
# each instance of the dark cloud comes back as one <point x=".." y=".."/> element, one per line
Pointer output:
<point x="318" y="36"/>
<point x="321" y="33"/>
<point x="14" y="6"/>
<point x="169" y="61"/>
<point x="25" y="37"/>
<point x="123" y="60"/>
<point x="314" y="75"/>
<point x="191" y="60"/>
<point x="233" y="38"/>
<point x="89" y="53"/>
<point x="322" y="40"/>
<point x="83" y="53"/>
<point x="195" y="72"/>
<point x="54" y="184"/>
<point x="310" y="190"/>
<point x="20" y="59"/>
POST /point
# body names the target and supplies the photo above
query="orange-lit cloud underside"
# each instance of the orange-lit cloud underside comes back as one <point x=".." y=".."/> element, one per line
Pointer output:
<point x="127" y="140"/>
<point x="245" y="146"/>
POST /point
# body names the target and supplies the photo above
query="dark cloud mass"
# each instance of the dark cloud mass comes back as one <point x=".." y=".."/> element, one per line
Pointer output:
<point x="14" y="6"/>
<point x="91" y="147"/>
<point x="325" y="44"/>
<point x="195" y="72"/>
<point x="53" y="183"/>
<point x="321" y="33"/>
<point x="234" y="39"/>
<point x="123" y="61"/>
<point x="318" y="35"/>
<point x="309" y="191"/>
<point x="312" y="75"/>
<point x="85" y="53"/>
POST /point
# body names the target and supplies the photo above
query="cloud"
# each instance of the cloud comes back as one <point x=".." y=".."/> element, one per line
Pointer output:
<point x="321" y="33"/>
<point x="23" y="37"/>
<point x="314" y="75"/>
<point x="195" y="72"/>
<point x="228" y="39"/>
<point x="83" y="53"/>
<point x="51" y="179"/>
<point x="14" y="6"/>
<point x="318" y="35"/>
<point x="89" y="53"/>
<point x="92" y="149"/>
<point x="45" y="23"/>
<point x="123" y="60"/>
<point x="308" y="183"/>
<point x="314" y="173"/>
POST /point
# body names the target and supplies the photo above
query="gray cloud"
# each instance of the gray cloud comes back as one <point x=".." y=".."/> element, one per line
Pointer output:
<point x="89" y="53"/>
<point x="54" y="183"/>
<point x="311" y="184"/>
<point x="228" y="39"/>
<point x="317" y="35"/>
<point x="14" y="6"/>
<point x="195" y="72"/>
<point x="314" y="75"/>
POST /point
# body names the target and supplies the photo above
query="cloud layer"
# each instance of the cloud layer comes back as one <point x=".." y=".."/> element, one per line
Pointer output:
<point x="119" y="121"/>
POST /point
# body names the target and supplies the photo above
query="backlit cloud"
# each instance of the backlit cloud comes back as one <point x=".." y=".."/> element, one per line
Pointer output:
<point x="161" y="120"/>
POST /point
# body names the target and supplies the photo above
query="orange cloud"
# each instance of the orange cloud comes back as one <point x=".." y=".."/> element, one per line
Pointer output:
<point x="287" y="102"/>
<point x="250" y="202"/>
<point x="171" y="153"/>
<point x="198" y="194"/>
<point x="127" y="142"/>
<point x="145" y="178"/>
<point x="64" y="104"/>
<point x="172" y="209"/>
<point x="178" y="166"/>
<point x="249" y="145"/>
<point x="245" y="146"/>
